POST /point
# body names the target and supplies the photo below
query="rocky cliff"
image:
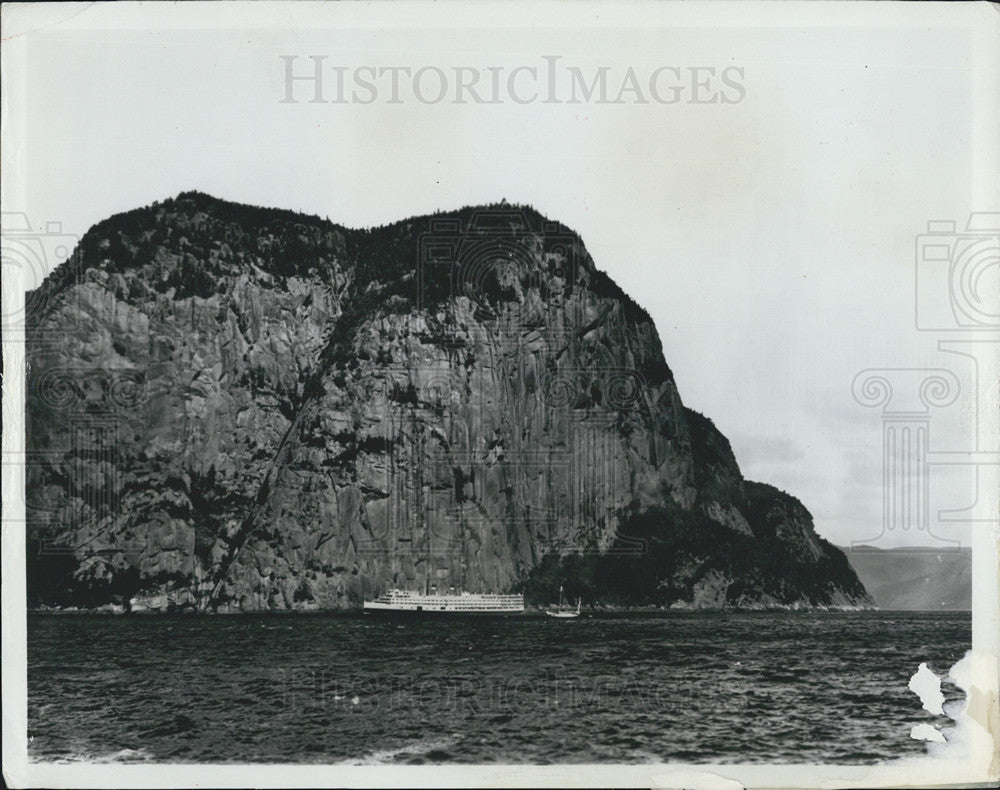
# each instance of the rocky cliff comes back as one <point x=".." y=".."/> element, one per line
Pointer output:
<point x="235" y="408"/>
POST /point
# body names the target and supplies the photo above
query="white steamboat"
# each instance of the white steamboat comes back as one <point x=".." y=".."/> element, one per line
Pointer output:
<point x="465" y="603"/>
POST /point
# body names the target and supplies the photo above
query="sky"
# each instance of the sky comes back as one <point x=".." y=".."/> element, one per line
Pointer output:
<point x="773" y="238"/>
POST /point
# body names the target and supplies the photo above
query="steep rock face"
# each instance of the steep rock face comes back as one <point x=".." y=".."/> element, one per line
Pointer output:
<point x="240" y="408"/>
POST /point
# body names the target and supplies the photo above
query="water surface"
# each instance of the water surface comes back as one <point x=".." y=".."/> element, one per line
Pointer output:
<point x="700" y="687"/>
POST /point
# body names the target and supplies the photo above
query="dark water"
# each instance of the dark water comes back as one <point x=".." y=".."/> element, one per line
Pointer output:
<point x="701" y="687"/>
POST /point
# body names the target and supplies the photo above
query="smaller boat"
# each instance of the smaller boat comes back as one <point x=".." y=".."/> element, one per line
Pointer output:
<point x="562" y="611"/>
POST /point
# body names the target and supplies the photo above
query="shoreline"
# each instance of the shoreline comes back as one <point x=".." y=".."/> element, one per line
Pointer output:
<point x="115" y="610"/>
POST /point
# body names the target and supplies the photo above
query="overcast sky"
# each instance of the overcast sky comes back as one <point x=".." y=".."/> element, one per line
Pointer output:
<point x="771" y="238"/>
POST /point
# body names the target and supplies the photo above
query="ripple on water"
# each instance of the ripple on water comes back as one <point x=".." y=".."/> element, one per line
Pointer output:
<point x="747" y="687"/>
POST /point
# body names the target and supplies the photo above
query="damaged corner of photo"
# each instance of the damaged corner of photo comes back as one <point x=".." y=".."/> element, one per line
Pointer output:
<point x="963" y="743"/>
<point x="929" y="461"/>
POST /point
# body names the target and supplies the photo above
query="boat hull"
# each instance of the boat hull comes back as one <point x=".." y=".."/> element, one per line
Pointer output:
<point x="409" y="604"/>
<point x="436" y="613"/>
